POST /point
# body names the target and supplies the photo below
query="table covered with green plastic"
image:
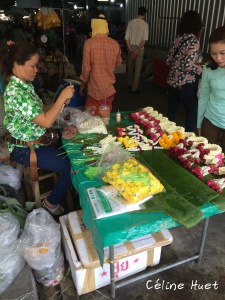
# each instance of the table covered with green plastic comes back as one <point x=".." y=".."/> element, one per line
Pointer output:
<point x="185" y="201"/>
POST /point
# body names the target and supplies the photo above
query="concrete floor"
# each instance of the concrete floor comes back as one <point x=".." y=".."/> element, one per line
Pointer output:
<point x="185" y="244"/>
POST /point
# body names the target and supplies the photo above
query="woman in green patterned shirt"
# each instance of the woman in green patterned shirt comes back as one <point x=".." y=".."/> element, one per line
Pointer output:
<point x="27" y="119"/>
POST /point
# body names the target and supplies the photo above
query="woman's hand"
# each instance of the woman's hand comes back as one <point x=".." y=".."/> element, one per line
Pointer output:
<point x="67" y="93"/>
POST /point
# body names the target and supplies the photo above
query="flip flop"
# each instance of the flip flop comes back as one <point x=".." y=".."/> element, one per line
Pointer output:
<point x="57" y="211"/>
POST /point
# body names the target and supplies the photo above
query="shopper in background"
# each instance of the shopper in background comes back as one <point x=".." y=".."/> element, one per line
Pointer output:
<point x="183" y="58"/>
<point x="136" y="37"/>
<point x="100" y="58"/>
<point x="211" y="102"/>
<point x="27" y="120"/>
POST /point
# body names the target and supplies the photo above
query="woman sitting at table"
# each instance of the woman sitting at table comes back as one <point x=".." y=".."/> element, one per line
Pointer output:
<point x="27" y="120"/>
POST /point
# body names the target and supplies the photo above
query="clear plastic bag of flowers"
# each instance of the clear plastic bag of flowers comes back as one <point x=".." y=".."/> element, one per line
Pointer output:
<point x="87" y="123"/>
<point x="52" y="275"/>
<point x="120" y="169"/>
<point x="40" y="242"/>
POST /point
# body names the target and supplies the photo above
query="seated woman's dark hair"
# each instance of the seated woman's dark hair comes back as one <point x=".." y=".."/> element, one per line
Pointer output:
<point x="19" y="52"/>
<point x="217" y="36"/>
<point x="190" y="23"/>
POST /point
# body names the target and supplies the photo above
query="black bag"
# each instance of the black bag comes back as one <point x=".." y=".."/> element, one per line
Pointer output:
<point x="51" y="137"/>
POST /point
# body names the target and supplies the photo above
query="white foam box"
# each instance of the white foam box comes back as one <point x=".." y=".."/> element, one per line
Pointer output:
<point x="130" y="257"/>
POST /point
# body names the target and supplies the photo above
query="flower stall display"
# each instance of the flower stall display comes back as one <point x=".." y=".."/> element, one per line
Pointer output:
<point x="134" y="181"/>
<point x="151" y="130"/>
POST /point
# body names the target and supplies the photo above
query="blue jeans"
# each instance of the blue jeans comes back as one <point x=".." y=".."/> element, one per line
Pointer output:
<point x="48" y="158"/>
<point x="188" y="96"/>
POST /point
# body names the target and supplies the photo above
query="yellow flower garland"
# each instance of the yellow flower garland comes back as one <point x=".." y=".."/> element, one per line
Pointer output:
<point x="134" y="181"/>
<point x="128" y="142"/>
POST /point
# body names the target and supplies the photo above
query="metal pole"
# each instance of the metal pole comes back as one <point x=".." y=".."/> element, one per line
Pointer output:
<point x="196" y="258"/>
<point x="64" y="46"/>
<point x="159" y="270"/>
<point x="112" y="271"/>
<point x="203" y="239"/>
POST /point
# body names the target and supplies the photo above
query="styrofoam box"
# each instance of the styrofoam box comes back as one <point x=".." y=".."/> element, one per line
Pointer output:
<point x="130" y="257"/>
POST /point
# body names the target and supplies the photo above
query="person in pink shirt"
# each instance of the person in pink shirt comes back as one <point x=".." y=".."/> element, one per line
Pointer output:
<point x="101" y="56"/>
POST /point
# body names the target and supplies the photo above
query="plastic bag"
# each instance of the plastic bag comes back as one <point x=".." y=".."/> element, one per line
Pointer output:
<point x="10" y="266"/>
<point x="52" y="275"/>
<point x="40" y="242"/>
<point x="11" y="176"/>
<point x="11" y="263"/>
<point x="47" y="18"/>
<point x="9" y="229"/>
<point x="68" y="116"/>
<point x="86" y="123"/>
<point x="134" y="181"/>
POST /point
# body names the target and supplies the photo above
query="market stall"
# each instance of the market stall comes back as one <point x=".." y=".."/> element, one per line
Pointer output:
<point x="185" y="199"/>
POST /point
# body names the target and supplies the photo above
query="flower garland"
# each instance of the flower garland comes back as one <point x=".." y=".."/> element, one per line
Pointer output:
<point x="134" y="181"/>
<point x="203" y="171"/>
<point x="170" y="141"/>
<point x="216" y="184"/>
<point x="128" y="142"/>
<point x="137" y="141"/>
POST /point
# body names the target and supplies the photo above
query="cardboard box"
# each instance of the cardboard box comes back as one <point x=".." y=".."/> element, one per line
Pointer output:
<point x="130" y="257"/>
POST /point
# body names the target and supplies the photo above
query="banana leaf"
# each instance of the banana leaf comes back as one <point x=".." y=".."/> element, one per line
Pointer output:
<point x="174" y="205"/>
<point x="184" y="193"/>
<point x="181" y="180"/>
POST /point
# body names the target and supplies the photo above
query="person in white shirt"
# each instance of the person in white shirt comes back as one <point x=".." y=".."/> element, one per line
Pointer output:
<point x="136" y="37"/>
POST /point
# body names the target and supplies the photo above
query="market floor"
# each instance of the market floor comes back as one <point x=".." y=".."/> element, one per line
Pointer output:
<point x="189" y="281"/>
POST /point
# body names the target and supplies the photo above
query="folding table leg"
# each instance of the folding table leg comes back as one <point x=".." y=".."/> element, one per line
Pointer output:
<point x="112" y="271"/>
<point x="202" y="242"/>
